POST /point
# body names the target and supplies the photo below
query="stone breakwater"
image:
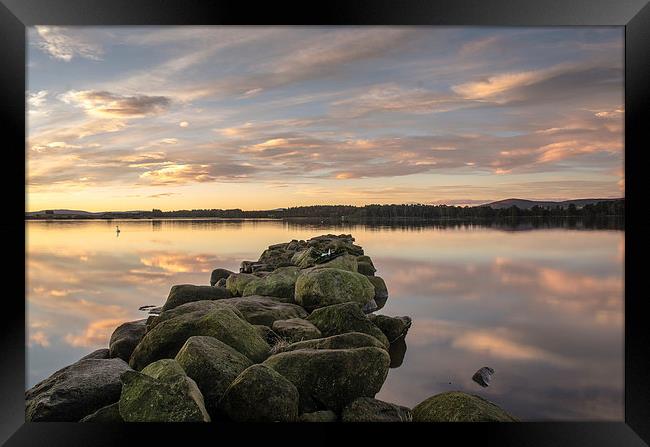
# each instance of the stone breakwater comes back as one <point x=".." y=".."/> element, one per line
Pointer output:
<point x="291" y="337"/>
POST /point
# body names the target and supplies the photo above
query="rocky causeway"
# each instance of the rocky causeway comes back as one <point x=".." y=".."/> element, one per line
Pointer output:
<point x="292" y="337"/>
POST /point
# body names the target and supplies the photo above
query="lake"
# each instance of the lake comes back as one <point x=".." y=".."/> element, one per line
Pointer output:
<point x="541" y="306"/>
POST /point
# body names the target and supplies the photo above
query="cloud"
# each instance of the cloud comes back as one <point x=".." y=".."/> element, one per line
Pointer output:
<point x="183" y="124"/>
<point x="95" y="334"/>
<point x="60" y="43"/>
<point x="111" y="105"/>
<point x="39" y="338"/>
<point x="197" y="173"/>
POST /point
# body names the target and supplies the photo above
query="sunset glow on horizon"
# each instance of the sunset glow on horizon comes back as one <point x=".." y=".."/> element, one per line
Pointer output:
<point x="135" y="118"/>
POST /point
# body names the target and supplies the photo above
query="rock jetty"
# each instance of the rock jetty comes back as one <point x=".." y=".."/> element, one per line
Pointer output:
<point x="291" y="337"/>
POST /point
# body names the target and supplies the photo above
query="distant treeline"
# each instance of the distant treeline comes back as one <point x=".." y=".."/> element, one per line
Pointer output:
<point x="423" y="212"/>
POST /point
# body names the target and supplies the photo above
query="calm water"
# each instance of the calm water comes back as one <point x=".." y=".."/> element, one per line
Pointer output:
<point x="543" y="307"/>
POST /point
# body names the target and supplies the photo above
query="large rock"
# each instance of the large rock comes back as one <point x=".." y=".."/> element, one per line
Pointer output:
<point x="174" y="398"/>
<point x="166" y="338"/>
<point x="125" y="338"/>
<point x="342" y="341"/>
<point x="267" y="334"/>
<point x="343" y="318"/>
<point x="260" y="394"/>
<point x="213" y="365"/>
<point x="109" y="413"/>
<point x="186" y="293"/>
<point x="265" y="309"/>
<point x="75" y="391"/>
<point x="276" y="256"/>
<point x="397" y="351"/>
<point x="332" y="378"/>
<point x="456" y="406"/>
<point x="103" y="353"/>
<point x="327" y="286"/>
<point x="281" y="283"/>
<point x="366" y="409"/>
<point x="392" y="327"/>
<point x="197" y="309"/>
<point x="164" y="369"/>
<point x="219" y="274"/>
<point x="236" y="283"/>
<point x="296" y="329"/>
<point x="381" y="291"/>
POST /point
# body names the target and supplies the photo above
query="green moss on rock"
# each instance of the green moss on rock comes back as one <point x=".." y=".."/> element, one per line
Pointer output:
<point x="344" y="318"/>
<point x="186" y="293"/>
<point x="332" y="378"/>
<point x="381" y="291"/>
<point x="327" y="286"/>
<point x="265" y="309"/>
<point x="342" y="341"/>
<point x="236" y="283"/>
<point x="366" y="268"/>
<point x="260" y="394"/>
<point x="166" y="338"/>
<point x="145" y="399"/>
<point x="107" y="414"/>
<point x="213" y="365"/>
<point x="456" y="406"/>
<point x="296" y="329"/>
<point x="280" y="283"/>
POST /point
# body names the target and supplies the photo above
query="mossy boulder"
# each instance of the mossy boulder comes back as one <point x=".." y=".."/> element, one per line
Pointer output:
<point x="381" y="291"/>
<point x="103" y="353"/>
<point x="341" y="341"/>
<point x="456" y="406"/>
<point x="219" y="274"/>
<point x="276" y="256"/>
<point x="166" y="338"/>
<point x="164" y="369"/>
<point x="319" y="416"/>
<point x="305" y="258"/>
<point x="392" y="327"/>
<point x="125" y="338"/>
<point x="146" y="399"/>
<point x="280" y="283"/>
<point x="260" y="394"/>
<point x="366" y="409"/>
<point x="366" y="268"/>
<point x="343" y="262"/>
<point x="186" y="293"/>
<point x="109" y="413"/>
<point x="236" y="283"/>
<point x="197" y="309"/>
<point x="366" y="259"/>
<point x="343" y="318"/>
<point x="213" y="365"/>
<point x="75" y="391"/>
<point x="296" y="329"/>
<point x="327" y="286"/>
<point x="265" y="309"/>
<point x="329" y="379"/>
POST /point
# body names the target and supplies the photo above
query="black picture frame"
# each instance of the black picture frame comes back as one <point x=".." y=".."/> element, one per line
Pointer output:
<point x="634" y="15"/>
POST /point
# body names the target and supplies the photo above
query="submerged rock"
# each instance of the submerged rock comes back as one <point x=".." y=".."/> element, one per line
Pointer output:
<point x="296" y="329"/>
<point x="213" y="365"/>
<point x="343" y="318"/>
<point x="75" y="391"/>
<point x="125" y="338"/>
<point x="166" y="338"/>
<point x="175" y="398"/>
<point x="327" y="286"/>
<point x="265" y="309"/>
<point x="281" y="283"/>
<point x="332" y="378"/>
<point x="366" y="409"/>
<point x="392" y="327"/>
<point x="109" y="413"/>
<point x="219" y="274"/>
<point x="456" y="406"/>
<point x="319" y="416"/>
<point x="342" y="341"/>
<point x="483" y="376"/>
<point x="260" y="394"/>
<point x="186" y="293"/>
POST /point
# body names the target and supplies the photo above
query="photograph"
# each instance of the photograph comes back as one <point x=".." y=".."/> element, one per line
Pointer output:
<point x="324" y="223"/>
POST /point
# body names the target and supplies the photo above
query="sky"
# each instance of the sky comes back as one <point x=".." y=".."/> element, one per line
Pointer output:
<point x="136" y="118"/>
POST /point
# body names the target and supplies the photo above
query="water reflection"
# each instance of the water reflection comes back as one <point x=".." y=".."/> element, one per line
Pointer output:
<point x="544" y="308"/>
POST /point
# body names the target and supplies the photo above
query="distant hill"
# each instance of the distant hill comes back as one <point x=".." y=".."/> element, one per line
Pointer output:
<point x="524" y="204"/>
<point x="61" y="212"/>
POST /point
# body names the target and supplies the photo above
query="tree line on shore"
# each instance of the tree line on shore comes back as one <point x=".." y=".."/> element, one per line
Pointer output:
<point x="372" y="212"/>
